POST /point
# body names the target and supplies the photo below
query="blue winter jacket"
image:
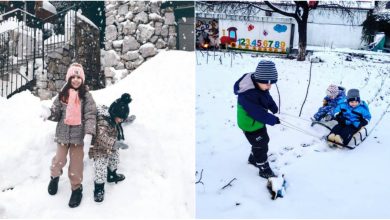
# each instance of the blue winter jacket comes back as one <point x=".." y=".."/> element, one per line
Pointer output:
<point x="341" y="97"/>
<point x="253" y="104"/>
<point x="352" y="115"/>
<point x="330" y="104"/>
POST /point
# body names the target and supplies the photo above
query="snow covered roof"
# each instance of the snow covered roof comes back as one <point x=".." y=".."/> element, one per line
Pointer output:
<point x="82" y="17"/>
<point x="49" y="7"/>
<point x="362" y="4"/>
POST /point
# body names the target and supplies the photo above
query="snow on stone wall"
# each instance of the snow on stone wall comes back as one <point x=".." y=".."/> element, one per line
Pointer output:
<point x="135" y="31"/>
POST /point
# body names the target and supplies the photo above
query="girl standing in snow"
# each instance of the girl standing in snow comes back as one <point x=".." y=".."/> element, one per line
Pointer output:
<point x="351" y="115"/>
<point x="75" y="111"/>
<point x="106" y="144"/>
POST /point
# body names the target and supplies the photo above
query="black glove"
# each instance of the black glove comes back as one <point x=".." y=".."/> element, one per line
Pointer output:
<point x="340" y="118"/>
<point x="363" y="123"/>
<point x="362" y="120"/>
<point x="277" y="120"/>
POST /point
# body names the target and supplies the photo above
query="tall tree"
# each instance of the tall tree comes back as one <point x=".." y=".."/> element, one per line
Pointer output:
<point x="301" y="14"/>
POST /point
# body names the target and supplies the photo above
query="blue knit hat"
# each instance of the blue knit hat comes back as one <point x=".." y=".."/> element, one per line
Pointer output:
<point x="266" y="72"/>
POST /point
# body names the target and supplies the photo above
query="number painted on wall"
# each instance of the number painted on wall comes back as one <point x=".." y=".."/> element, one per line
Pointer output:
<point x="260" y="45"/>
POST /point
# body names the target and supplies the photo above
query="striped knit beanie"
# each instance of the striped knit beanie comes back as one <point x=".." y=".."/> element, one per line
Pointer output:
<point x="266" y="72"/>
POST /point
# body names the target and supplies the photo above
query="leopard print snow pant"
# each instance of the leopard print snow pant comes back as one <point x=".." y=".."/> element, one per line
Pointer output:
<point x="100" y="164"/>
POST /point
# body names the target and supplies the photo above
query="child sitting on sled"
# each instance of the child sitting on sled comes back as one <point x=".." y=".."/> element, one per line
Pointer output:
<point x="334" y="96"/>
<point x="351" y="115"/>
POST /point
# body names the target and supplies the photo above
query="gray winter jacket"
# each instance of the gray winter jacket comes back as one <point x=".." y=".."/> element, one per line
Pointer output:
<point x="74" y="134"/>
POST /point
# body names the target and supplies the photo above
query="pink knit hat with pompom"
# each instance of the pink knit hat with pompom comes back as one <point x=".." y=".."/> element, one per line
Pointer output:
<point x="75" y="70"/>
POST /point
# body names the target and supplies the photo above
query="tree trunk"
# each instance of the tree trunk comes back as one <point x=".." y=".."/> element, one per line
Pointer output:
<point x="302" y="41"/>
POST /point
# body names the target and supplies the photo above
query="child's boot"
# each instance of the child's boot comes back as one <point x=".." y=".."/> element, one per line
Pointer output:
<point x="251" y="160"/>
<point x="338" y="139"/>
<point x="98" y="193"/>
<point x="53" y="185"/>
<point x="331" y="137"/>
<point x="265" y="171"/>
<point x="75" y="198"/>
<point x="112" y="176"/>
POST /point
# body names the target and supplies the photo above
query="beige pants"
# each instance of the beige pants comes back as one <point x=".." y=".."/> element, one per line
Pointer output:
<point x="76" y="165"/>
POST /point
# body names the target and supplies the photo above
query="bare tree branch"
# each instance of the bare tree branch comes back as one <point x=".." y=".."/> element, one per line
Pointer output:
<point x="200" y="179"/>
<point x="229" y="184"/>
<point x="275" y="9"/>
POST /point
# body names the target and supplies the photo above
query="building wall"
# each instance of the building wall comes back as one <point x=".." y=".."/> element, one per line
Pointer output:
<point x="330" y="29"/>
<point x="326" y="28"/>
<point x="333" y="30"/>
<point x="135" y="31"/>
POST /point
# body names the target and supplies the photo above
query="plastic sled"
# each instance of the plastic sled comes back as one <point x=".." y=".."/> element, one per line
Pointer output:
<point x="356" y="140"/>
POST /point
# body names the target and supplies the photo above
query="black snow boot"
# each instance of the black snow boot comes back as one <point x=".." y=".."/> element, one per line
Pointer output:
<point x="53" y="185"/>
<point x="75" y="198"/>
<point x="265" y="171"/>
<point x="112" y="176"/>
<point x="98" y="193"/>
<point x="251" y="160"/>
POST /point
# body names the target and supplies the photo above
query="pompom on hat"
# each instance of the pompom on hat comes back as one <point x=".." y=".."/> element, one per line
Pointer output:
<point x="120" y="107"/>
<point x="126" y="98"/>
<point x="75" y="70"/>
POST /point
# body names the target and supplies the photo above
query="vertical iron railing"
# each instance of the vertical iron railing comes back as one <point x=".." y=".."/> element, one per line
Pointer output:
<point x="60" y="30"/>
<point x="18" y="38"/>
<point x="28" y="41"/>
<point x="25" y="43"/>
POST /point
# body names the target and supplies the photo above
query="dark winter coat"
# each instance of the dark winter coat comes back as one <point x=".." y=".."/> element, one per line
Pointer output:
<point x="74" y="134"/>
<point x="352" y="115"/>
<point x="106" y="135"/>
<point x="253" y="105"/>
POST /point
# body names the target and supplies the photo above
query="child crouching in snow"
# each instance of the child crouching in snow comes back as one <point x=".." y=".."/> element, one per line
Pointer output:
<point x="351" y="115"/>
<point x="334" y="96"/>
<point x="75" y="111"/>
<point x="109" y="138"/>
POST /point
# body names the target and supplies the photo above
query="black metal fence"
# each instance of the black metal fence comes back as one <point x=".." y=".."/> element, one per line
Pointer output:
<point x="60" y="30"/>
<point x="19" y="49"/>
<point x="24" y="42"/>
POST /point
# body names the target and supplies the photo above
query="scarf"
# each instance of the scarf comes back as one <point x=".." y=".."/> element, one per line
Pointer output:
<point x="73" y="109"/>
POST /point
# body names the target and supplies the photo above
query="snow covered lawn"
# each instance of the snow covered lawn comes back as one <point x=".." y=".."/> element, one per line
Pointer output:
<point x="322" y="182"/>
<point x="159" y="165"/>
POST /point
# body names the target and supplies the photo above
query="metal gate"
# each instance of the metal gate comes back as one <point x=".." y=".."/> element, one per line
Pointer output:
<point x="25" y="40"/>
<point x="20" y="46"/>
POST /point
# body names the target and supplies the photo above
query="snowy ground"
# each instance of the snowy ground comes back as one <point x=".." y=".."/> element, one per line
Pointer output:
<point x="323" y="182"/>
<point x="159" y="165"/>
